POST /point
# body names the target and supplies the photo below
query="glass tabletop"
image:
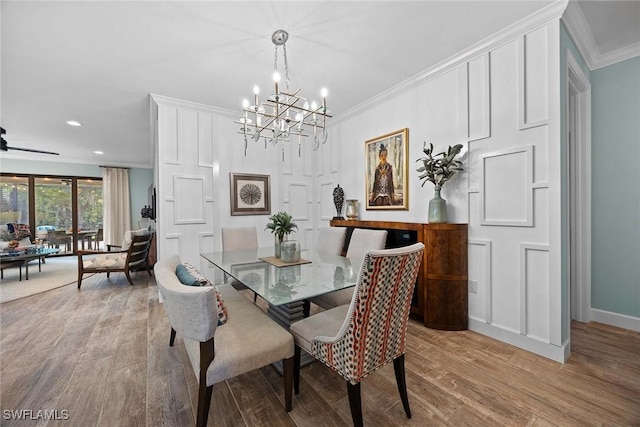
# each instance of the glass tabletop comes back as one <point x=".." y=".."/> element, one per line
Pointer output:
<point x="282" y="285"/>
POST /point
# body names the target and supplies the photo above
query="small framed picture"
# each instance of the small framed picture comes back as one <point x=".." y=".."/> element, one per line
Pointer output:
<point x="386" y="171"/>
<point x="250" y="194"/>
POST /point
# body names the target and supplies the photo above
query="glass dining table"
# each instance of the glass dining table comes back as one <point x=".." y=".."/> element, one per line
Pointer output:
<point x="287" y="288"/>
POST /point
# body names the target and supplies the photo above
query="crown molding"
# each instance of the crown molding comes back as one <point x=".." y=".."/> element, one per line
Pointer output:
<point x="175" y="102"/>
<point x="512" y="32"/>
<point x="577" y="27"/>
<point x="616" y="56"/>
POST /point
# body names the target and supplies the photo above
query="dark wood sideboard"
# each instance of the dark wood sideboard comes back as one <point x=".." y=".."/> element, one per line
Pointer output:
<point x="440" y="296"/>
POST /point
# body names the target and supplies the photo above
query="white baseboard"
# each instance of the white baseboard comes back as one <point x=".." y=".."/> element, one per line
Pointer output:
<point x="550" y="351"/>
<point x="615" y="319"/>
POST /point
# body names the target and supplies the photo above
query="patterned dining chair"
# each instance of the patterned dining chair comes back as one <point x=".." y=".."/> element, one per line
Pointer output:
<point x="357" y="339"/>
<point x="362" y="240"/>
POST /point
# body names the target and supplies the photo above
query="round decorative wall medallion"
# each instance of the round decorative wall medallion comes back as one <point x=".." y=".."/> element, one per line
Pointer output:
<point x="250" y="194"/>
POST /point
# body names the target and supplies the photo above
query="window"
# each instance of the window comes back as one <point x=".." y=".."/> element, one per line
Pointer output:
<point x="66" y="212"/>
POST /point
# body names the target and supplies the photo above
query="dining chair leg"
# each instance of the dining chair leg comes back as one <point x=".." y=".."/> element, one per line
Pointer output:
<point x="398" y="367"/>
<point x="172" y="339"/>
<point x="255" y="297"/>
<point x="296" y="369"/>
<point x="355" y="403"/>
<point x="204" y="403"/>
<point x="288" y="381"/>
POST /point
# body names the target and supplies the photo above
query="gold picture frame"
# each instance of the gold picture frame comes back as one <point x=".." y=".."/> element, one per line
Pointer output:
<point x="386" y="171"/>
<point x="250" y="194"/>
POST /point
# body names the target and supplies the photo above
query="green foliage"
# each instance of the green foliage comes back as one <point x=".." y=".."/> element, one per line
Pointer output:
<point x="441" y="167"/>
<point x="52" y="205"/>
<point x="281" y="224"/>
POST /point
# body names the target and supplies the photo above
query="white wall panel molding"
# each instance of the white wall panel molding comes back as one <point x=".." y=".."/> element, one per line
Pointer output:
<point x="536" y="20"/>
<point x="172" y="244"/>
<point x="206" y="125"/>
<point x="187" y="136"/>
<point x="189" y="199"/>
<point x="484" y="280"/>
<point x="334" y="149"/>
<point x="306" y="237"/>
<point x="308" y="161"/>
<point x="506" y="193"/>
<point x="206" y="242"/>
<point x="533" y="82"/>
<point x="285" y="155"/>
<point x="534" y="291"/>
<point x="479" y="98"/>
<point x="326" y="200"/>
<point x="168" y="118"/>
<point x="298" y="197"/>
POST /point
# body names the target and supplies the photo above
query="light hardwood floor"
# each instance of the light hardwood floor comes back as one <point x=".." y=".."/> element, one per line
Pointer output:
<point x="102" y="354"/>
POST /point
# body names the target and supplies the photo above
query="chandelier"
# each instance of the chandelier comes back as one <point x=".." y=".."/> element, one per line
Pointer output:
<point x="284" y="114"/>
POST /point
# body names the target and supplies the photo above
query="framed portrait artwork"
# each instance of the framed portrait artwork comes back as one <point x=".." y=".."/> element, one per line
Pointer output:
<point x="250" y="194"/>
<point x="386" y="171"/>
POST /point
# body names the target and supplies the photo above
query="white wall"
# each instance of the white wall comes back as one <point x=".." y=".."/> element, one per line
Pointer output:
<point x="197" y="146"/>
<point x="503" y="105"/>
<point x="500" y="100"/>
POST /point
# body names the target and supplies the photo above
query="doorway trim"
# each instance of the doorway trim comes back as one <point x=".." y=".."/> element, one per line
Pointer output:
<point x="580" y="242"/>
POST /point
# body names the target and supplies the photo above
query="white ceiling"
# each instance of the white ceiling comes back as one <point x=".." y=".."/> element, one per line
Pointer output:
<point x="97" y="62"/>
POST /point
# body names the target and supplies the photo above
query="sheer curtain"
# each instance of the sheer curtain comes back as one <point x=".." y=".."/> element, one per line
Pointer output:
<point x="117" y="209"/>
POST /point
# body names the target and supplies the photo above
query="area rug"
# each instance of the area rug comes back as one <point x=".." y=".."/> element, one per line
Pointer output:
<point x="56" y="272"/>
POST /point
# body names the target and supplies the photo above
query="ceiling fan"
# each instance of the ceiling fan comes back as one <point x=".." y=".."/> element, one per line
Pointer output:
<point x="5" y="147"/>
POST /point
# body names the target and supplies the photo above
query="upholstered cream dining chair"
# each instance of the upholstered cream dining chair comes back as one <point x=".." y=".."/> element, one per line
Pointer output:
<point x="239" y="239"/>
<point x="362" y="240"/>
<point x="331" y="240"/>
<point x="357" y="339"/>
<point x="247" y="341"/>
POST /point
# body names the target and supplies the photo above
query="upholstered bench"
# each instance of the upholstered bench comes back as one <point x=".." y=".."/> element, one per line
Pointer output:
<point x="248" y="340"/>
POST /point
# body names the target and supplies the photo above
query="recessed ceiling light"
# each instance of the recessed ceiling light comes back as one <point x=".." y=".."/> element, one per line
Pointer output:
<point x="74" y="123"/>
<point x="98" y="152"/>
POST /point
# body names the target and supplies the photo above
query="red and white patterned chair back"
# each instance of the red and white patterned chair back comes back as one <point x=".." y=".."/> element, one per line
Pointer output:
<point x="374" y="330"/>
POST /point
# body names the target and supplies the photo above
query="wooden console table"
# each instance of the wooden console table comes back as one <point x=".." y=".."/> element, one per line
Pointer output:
<point x="441" y="296"/>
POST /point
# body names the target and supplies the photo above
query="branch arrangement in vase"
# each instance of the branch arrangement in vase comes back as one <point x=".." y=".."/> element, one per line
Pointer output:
<point x="439" y="168"/>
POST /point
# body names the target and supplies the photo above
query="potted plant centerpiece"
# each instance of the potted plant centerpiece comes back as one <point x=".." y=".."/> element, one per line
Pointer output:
<point x="281" y="225"/>
<point x="438" y="169"/>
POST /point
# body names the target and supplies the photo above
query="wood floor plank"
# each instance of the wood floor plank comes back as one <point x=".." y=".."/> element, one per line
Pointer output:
<point x="310" y="408"/>
<point x="102" y="353"/>
<point x="168" y="399"/>
<point x="125" y="395"/>
<point x="258" y="404"/>
<point x="82" y="397"/>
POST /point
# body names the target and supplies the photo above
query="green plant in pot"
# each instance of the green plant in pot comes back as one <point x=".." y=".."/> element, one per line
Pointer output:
<point x="438" y="169"/>
<point x="281" y="225"/>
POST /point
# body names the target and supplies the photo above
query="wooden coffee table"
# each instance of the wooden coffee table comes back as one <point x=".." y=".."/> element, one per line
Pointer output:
<point x="22" y="259"/>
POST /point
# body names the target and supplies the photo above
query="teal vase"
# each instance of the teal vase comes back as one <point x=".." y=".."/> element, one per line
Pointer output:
<point x="437" y="209"/>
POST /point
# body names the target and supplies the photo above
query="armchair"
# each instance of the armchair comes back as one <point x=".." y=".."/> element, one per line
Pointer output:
<point x="132" y="259"/>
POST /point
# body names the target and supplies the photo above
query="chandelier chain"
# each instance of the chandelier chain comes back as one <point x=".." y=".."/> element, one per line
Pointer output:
<point x="286" y="67"/>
